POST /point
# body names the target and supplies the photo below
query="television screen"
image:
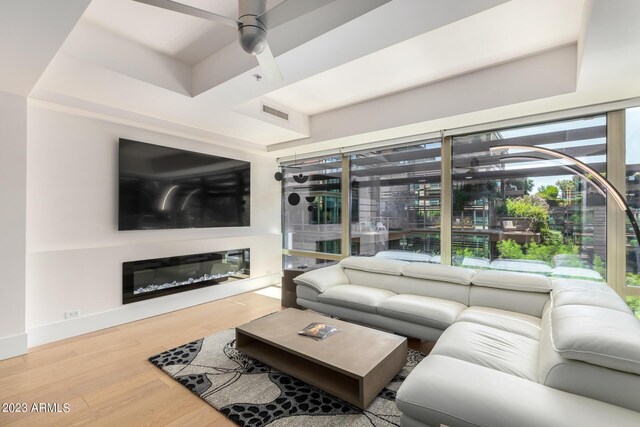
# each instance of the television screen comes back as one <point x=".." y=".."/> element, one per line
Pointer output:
<point x="162" y="187"/>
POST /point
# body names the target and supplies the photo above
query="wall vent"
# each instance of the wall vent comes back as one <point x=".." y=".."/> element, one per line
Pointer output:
<point x="275" y="112"/>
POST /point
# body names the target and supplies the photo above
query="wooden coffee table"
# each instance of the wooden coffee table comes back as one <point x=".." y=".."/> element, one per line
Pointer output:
<point x="354" y="364"/>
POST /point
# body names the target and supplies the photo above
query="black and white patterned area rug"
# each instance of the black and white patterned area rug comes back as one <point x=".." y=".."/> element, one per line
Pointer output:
<point x="253" y="394"/>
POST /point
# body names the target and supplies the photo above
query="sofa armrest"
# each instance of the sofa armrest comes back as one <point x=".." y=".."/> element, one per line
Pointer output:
<point x="445" y="390"/>
<point x="323" y="278"/>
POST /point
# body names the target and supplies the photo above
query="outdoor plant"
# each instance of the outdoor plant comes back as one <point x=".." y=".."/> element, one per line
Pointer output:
<point x="599" y="266"/>
<point x="509" y="249"/>
<point x="544" y="251"/>
<point x="632" y="279"/>
<point x="532" y="207"/>
<point x="634" y="304"/>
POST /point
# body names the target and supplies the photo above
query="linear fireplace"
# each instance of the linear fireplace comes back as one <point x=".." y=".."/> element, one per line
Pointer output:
<point x="151" y="278"/>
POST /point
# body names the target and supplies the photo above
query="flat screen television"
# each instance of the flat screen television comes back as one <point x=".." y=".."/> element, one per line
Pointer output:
<point x="162" y="187"/>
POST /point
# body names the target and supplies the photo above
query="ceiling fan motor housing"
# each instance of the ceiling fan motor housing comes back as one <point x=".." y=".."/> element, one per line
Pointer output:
<point x="252" y="31"/>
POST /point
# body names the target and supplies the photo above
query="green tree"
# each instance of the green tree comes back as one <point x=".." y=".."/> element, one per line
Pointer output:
<point x="528" y="185"/>
<point x="599" y="266"/>
<point x="548" y="192"/>
<point x="509" y="249"/>
<point x="634" y="304"/>
<point x="569" y="188"/>
<point x="532" y="207"/>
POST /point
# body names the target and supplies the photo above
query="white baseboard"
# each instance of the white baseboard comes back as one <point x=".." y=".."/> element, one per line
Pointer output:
<point x="56" y="331"/>
<point x="13" y="346"/>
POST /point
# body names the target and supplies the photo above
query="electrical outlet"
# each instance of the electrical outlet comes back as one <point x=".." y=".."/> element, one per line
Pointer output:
<point x="73" y="314"/>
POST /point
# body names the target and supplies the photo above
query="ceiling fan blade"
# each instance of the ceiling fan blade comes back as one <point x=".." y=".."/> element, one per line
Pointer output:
<point x="270" y="70"/>
<point x="190" y="10"/>
<point x="288" y="10"/>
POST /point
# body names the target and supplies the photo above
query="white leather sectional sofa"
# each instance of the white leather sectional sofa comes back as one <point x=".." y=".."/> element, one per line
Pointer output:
<point x="512" y="349"/>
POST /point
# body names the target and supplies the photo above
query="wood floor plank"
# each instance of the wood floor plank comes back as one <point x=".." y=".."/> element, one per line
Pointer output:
<point x="107" y="379"/>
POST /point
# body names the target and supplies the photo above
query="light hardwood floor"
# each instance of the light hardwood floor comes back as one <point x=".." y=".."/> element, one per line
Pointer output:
<point x="107" y="380"/>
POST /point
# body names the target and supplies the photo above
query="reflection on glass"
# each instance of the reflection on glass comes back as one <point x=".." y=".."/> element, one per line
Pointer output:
<point x="302" y="262"/>
<point x="515" y="211"/>
<point x="396" y="202"/>
<point x="633" y="194"/>
<point x="161" y="276"/>
<point x="312" y="205"/>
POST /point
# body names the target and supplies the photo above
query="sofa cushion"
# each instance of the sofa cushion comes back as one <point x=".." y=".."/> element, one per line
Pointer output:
<point x="531" y="303"/>
<point x="580" y="284"/>
<point x="373" y="280"/>
<point x="442" y="273"/>
<point x="577" y="272"/>
<point x="322" y="279"/>
<point x="597" y="335"/>
<point x="585" y="379"/>
<point x="446" y="391"/>
<point x="490" y="347"/>
<point x="434" y="312"/>
<point x="432" y="288"/>
<point x="374" y="265"/>
<point x="307" y="293"/>
<point x="509" y="321"/>
<point x="355" y="297"/>
<point x="606" y="298"/>
<point x="513" y="281"/>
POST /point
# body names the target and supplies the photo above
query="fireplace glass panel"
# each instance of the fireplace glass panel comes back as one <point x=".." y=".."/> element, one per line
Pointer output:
<point x="162" y="276"/>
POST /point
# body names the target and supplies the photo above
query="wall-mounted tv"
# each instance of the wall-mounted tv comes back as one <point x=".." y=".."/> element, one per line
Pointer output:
<point x="163" y="187"/>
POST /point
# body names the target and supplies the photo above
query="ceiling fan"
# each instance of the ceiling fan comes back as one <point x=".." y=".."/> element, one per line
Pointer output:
<point x="252" y="24"/>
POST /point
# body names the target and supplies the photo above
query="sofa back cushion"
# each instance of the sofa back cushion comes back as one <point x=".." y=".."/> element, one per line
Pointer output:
<point x="598" y="335"/>
<point x="604" y="297"/>
<point x="440" y="273"/>
<point x="436" y="281"/>
<point x="524" y="282"/>
<point x="585" y="379"/>
<point x="531" y="303"/>
<point x="578" y="284"/>
<point x="434" y="289"/>
<point x="373" y="272"/>
<point x="520" y="292"/>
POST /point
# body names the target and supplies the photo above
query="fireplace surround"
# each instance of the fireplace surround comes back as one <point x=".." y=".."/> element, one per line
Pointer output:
<point x="151" y="278"/>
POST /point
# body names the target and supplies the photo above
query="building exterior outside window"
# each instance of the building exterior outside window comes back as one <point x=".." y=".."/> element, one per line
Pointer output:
<point x="518" y="210"/>
<point x="632" y="181"/>
<point x="511" y="209"/>
<point x="312" y="208"/>
<point x="395" y="195"/>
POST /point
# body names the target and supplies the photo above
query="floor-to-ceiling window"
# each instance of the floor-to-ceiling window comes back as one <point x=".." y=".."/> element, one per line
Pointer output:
<point x="516" y="209"/>
<point x="312" y="210"/>
<point x="395" y="196"/>
<point x="632" y="177"/>
<point x="511" y="208"/>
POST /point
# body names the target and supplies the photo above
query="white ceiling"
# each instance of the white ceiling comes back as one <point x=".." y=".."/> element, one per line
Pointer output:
<point x="407" y="66"/>
<point x="186" y="38"/>
<point x="513" y="30"/>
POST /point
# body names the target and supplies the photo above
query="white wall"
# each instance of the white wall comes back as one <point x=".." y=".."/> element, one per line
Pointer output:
<point x="74" y="250"/>
<point x="13" y="149"/>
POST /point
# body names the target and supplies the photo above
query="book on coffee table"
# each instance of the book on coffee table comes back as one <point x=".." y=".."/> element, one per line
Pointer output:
<point x="318" y="330"/>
